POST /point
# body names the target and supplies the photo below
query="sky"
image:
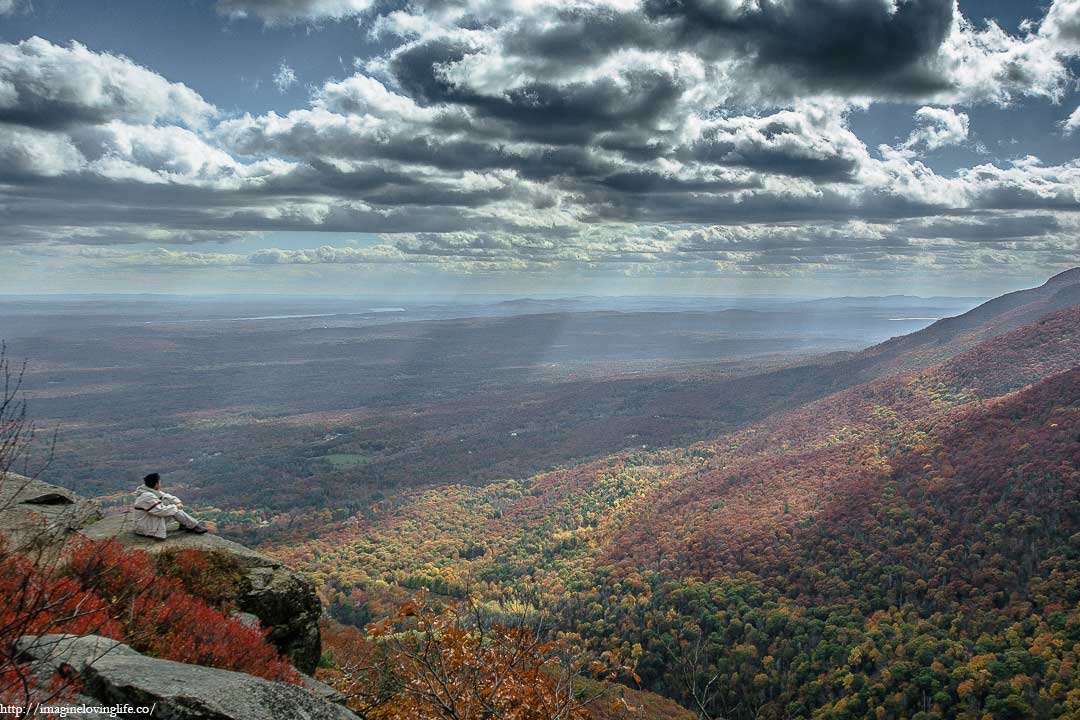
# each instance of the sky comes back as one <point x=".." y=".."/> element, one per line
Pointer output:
<point x="694" y="147"/>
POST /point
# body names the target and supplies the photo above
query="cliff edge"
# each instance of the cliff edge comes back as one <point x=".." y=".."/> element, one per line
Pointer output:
<point x="283" y="601"/>
<point x="39" y="520"/>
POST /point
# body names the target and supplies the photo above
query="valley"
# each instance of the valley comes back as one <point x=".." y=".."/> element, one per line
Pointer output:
<point x="276" y="415"/>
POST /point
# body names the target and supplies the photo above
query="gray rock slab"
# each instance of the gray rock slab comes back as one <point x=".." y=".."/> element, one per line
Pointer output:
<point x="113" y="673"/>
<point x="36" y="514"/>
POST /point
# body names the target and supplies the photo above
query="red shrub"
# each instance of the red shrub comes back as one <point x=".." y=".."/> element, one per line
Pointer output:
<point x="178" y="626"/>
<point x="212" y="576"/>
<point x="35" y="603"/>
<point x="159" y="616"/>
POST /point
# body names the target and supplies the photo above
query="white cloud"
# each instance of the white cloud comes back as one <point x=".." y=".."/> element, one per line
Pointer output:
<point x="284" y="77"/>
<point x="58" y="240"/>
<point x="993" y="66"/>
<point x="1072" y="124"/>
<point x="184" y="258"/>
<point x="277" y="12"/>
<point x="28" y="151"/>
<point x="542" y="138"/>
<point x="1025" y="183"/>
<point x="326" y="255"/>
<point x="937" y="128"/>
<point x="363" y="95"/>
<point x="47" y="85"/>
<point x="808" y="142"/>
<point x="1062" y="25"/>
<point x="170" y="154"/>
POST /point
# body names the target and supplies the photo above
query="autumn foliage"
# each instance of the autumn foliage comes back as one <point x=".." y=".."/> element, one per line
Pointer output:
<point x="907" y="549"/>
<point x="108" y="590"/>
<point x="159" y="614"/>
<point x="32" y="603"/>
<point x="448" y="662"/>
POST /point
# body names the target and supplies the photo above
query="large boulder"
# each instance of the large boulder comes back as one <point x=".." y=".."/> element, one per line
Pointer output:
<point x="285" y="602"/>
<point x="35" y="515"/>
<point x="114" y="674"/>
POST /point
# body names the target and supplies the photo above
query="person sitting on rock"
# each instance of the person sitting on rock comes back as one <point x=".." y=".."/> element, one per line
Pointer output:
<point x="154" y="509"/>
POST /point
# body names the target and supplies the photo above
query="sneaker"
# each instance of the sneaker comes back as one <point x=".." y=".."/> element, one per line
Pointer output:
<point x="197" y="529"/>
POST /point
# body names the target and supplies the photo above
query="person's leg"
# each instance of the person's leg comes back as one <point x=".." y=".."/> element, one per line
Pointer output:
<point x="187" y="522"/>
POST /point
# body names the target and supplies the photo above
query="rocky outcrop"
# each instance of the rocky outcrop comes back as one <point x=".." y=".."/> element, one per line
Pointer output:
<point x="112" y="673"/>
<point x="37" y="515"/>
<point x="283" y="601"/>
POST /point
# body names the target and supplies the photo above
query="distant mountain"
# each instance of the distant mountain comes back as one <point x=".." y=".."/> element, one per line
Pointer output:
<point x="885" y="302"/>
<point x="922" y="349"/>
<point x="948" y="336"/>
<point x="795" y="459"/>
<point x="900" y="304"/>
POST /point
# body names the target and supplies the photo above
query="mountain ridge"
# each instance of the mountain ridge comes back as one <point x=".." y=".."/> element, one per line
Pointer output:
<point x="781" y="549"/>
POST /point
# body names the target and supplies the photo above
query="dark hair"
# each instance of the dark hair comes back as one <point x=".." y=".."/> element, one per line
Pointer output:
<point x="152" y="480"/>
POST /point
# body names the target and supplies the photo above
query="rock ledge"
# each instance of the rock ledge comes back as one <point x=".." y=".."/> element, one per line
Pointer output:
<point x="113" y="673"/>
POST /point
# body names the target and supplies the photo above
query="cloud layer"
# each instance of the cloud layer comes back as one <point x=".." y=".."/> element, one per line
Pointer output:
<point x="608" y="136"/>
<point x="274" y="12"/>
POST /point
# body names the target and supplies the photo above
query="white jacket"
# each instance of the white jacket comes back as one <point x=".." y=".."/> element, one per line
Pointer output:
<point x="153" y="508"/>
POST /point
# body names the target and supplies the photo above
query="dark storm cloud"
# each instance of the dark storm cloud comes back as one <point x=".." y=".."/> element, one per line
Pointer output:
<point x="274" y="12"/>
<point x="540" y="111"/>
<point x="435" y="197"/>
<point x="376" y="185"/>
<point x="416" y="69"/>
<point x="580" y="34"/>
<point x="318" y="177"/>
<point x="834" y="168"/>
<point x="576" y="112"/>
<point x="233" y="216"/>
<point x="785" y="144"/>
<point x="985" y="229"/>
<point x="645" y="182"/>
<point x="869" y="45"/>
<point x="314" y="136"/>
<point x="546" y="163"/>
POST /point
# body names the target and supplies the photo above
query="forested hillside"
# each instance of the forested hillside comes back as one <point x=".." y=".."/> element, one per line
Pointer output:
<point x="904" y="548"/>
<point x="346" y="465"/>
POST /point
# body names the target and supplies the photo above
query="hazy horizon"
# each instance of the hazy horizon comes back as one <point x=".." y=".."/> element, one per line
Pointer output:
<point x="481" y="296"/>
